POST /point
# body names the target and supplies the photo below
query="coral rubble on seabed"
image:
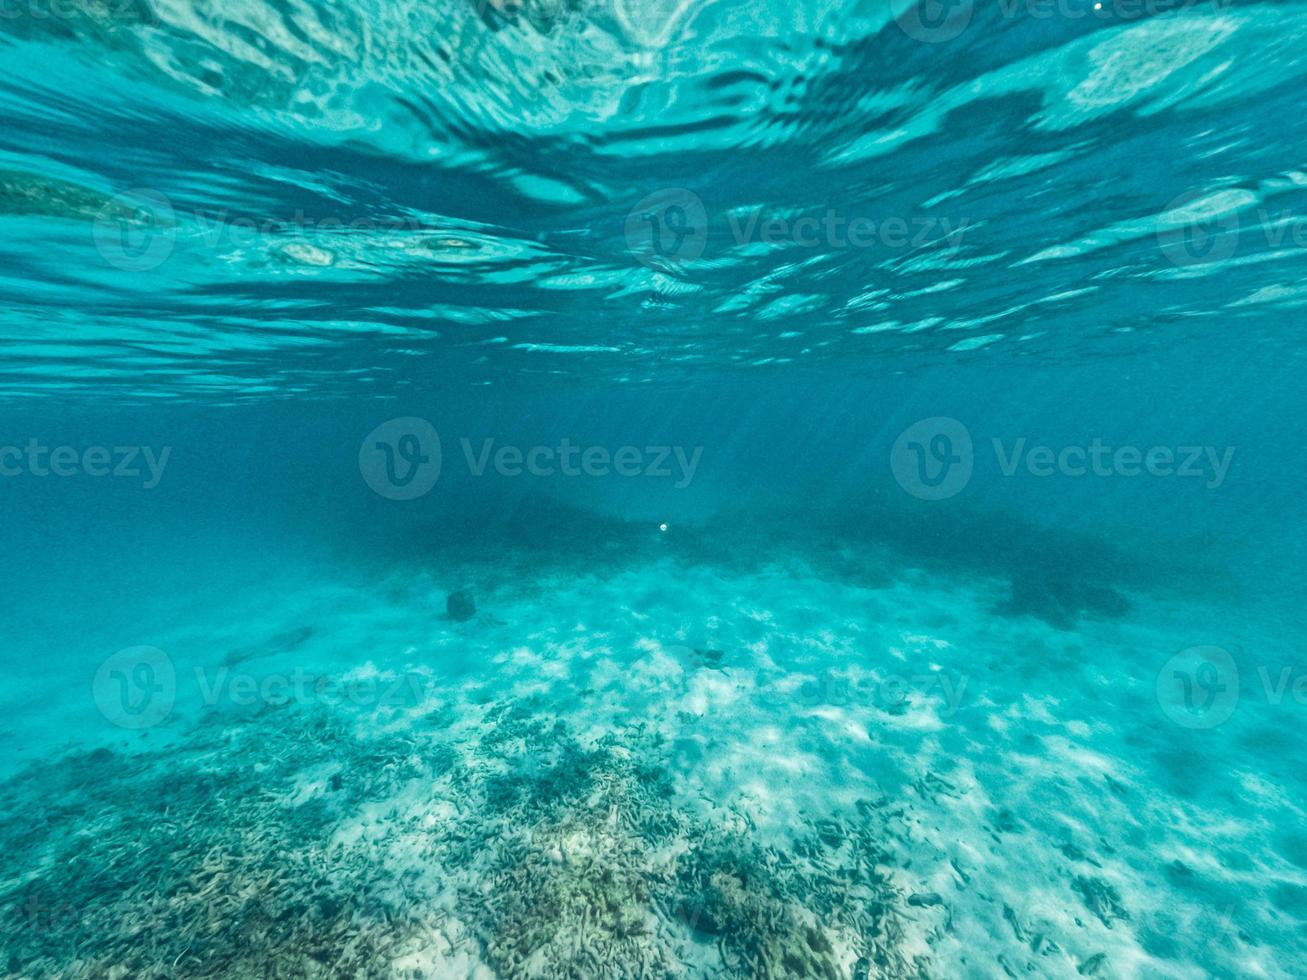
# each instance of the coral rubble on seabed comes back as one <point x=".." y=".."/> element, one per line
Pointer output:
<point x="297" y="843"/>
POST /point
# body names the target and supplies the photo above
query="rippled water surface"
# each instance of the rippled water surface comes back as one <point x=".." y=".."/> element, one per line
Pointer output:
<point x="346" y="199"/>
<point x="587" y="488"/>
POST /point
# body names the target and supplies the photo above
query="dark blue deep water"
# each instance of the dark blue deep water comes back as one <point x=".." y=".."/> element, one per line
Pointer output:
<point x="587" y="488"/>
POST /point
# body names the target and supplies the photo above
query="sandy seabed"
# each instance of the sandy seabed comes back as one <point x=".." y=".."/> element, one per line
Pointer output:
<point x="662" y="768"/>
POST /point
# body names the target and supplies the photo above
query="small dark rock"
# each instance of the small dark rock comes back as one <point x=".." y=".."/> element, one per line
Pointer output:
<point x="923" y="900"/>
<point x="1005" y="822"/>
<point x="1101" y="899"/>
<point x="336" y="783"/>
<point x="1094" y="966"/>
<point x="460" y="606"/>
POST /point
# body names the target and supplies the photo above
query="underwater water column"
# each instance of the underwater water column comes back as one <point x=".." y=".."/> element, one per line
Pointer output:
<point x="592" y="489"/>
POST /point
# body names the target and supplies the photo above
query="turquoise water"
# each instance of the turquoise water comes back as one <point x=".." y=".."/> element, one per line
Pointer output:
<point x="595" y="489"/>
